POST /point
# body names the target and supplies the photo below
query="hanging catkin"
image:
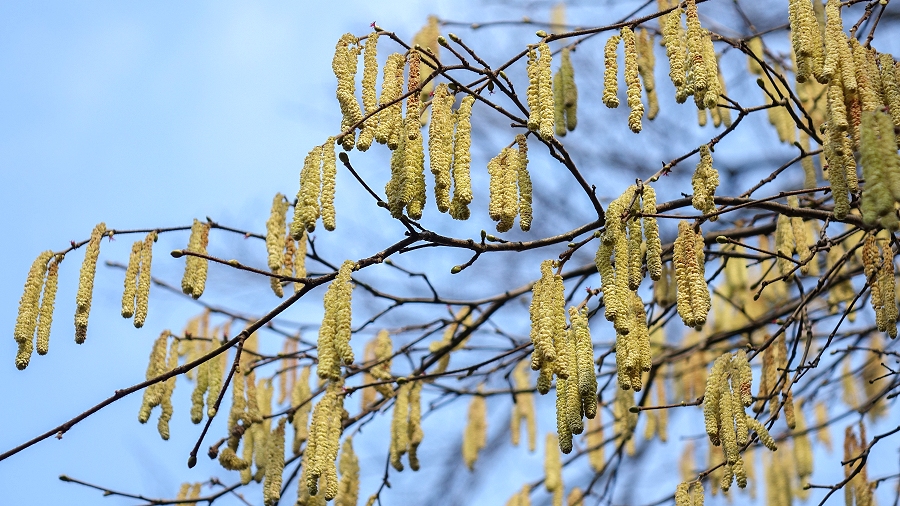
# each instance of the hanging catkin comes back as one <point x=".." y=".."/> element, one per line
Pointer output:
<point x="344" y="66"/>
<point x="693" y="293"/>
<point x="142" y="297"/>
<point x="632" y="81"/>
<point x="27" y="318"/>
<point x="334" y="333"/>
<point x="440" y="144"/>
<point x="194" y="281"/>
<point x="462" y="143"/>
<point x="86" y="283"/>
<point x="369" y="97"/>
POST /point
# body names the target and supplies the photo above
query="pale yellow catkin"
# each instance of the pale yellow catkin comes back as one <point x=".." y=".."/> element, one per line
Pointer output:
<point x="131" y="274"/>
<point x="214" y="377"/>
<point x="594" y="441"/>
<point x="334" y="333"/>
<point x="503" y="206"/>
<point x="274" y="465"/>
<point x="388" y="129"/>
<point x="299" y="260"/>
<point x="202" y="384"/>
<point x="440" y="144"/>
<point x="651" y="233"/>
<point x="462" y="143"/>
<point x="168" y="387"/>
<point x="142" y="300"/>
<point x="29" y="311"/>
<point x="475" y="435"/>
<point x="400" y="427"/>
<point x="611" y="72"/>
<point x="704" y="182"/>
<point x="540" y="91"/>
<point x="155" y="367"/>
<point x="275" y="239"/>
<point x="548" y="319"/>
<point x="414" y="100"/>
<point x="369" y="97"/>
<point x="693" y="297"/>
<point x="348" y="489"/>
<point x="195" y="268"/>
<point x="414" y="428"/>
<point x="523" y="181"/>
<point x="565" y="96"/>
<point x="344" y="66"/>
<point x="632" y="81"/>
<point x="45" y="313"/>
<point x="86" y="282"/>
<point x="552" y="464"/>
<point x="329" y="174"/>
<point x="306" y="208"/>
<point x="676" y="51"/>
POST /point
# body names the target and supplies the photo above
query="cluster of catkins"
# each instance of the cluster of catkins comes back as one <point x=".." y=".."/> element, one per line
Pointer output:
<point x="569" y="354"/>
<point x="878" y="263"/>
<point x="286" y="256"/>
<point x="620" y="261"/>
<point x="510" y="187"/>
<point x="728" y="392"/>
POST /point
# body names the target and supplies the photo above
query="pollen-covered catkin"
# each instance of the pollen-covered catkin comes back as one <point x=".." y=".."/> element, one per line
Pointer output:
<point x="322" y="447"/>
<point x="552" y="465"/>
<point x="504" y="206"/>
<point x="475" y="435"/>
<point x="344" y="66"/>
<point x="48" y="300"/>
<point x="440" y="144"/>
<point x="697" y="71"/>
<point x="540" y="91"/>
<point x="329" y="174"/>
<point x="646" y="63"/>
<point x="881" y="169"/>
<point x="565" y="95"/>
<point x="693" y="297"/>
<point x="334" y="333"/>
<point x="131" y="274"/>
<point x="784" y="244"/>
<point x="548" y="319"/>
<point x="462" y="143"/>
<point x="676" y="51"/>
<point x="306" y="209"/>
<point x="400" y="427"/>
<point x="155" y="367"/>
<point x="413" y="101"/>
<point x="86" y="283"/>
<point x="632" y="81"/>
<point x="524" y="184"/>
<point x="651" y="233"/>
<point x="274" y="465"/>
<point x="584" y="361"/>
<point x="806" y="39"/>
<point x="194" y="281"/>
<point x="704" y="182"/>
<point x="369" y="97"/>
<point x="389" y="119"/>
<point x="348" y="489"/>
<point x="275" y="237"/>
<point x="29" y="311"/>
<point x="168" y="387"/>
<point x="201" y="386"/>
<point x="142" y="300"/>
<point x="611" y="72"/>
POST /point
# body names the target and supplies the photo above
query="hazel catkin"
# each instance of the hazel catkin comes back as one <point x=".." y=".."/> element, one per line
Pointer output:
<point x="693" y="297"/>
<point x="632" y="81"/>
<point x="142" y="297"/>
<point x="28" y="317"/>
<point x="194" y="281"/>
<point x="344" y="66"/>
<point x="86" y="282"/>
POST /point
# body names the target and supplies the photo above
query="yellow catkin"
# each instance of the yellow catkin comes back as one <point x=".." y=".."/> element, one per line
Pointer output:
<point x="440" y="144"/>
<point x="834" y="31"/>
<point x="414" y="100"/>
<point x="504" y="206"/>
<point x="301" y="399"/>
<point x="382" y="350"/>
<point x="275" y="240"/>
<point x="784" y="244"/>
<point x="195" y="268"/>
<point x="698" y="83"/>
<point x="611" y="73"/>
<point x="881" y="169"/>
<point x="86" y="282"/>
<point x="565" y="96"/>
<point x="693" y="293"/>
<point x="389" y="118"/>
<point x="807" y="41"/>
<point x="168" y="387"/>
<point x="344" y="66"/>
<point x="541" y="92"/>
<point x="523" y="407"/>
<point x="676" y="51"/>
<point x="584" y="362"/>
<point x="704" y="182"/>
<point x="155" y="367"/>
<point x="891" y="86"/>
<point x="552" y="465"/>
<point x="48" y="300"/>
<point x="201" y="386"/>
<point x="274" y="465"/>
<point x="322" y="447"/>
<point x="682" y="498"/>
<point x="306" y="209"/>
<point x="651" y="233"/>
<point x="625" y="420"/>
<point x="329" y="174"/>
<point x="523" y="181"/>
<point x="594" y="440"/>
<point x="27" y="319"/>
<point x="462" y="143"/>
<point x="142" y="300"/>
<point x="214" y="377"/>
<point x="334" y="333"/>
<point x="568" y="405"/>
<point x="632" y="81"/>
<point x="646" y="62"/>
<point x="131" y="274"/>
<point x="547" y="318"/>
<point x="400" y="427"/>
<point x="475" y="435"/>
<point x="348" y="489"/>
<point x="414" y="428"/>
<point x="369" y="97"/>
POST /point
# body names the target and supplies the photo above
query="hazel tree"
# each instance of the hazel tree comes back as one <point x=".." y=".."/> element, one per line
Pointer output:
<point x="542" y="290"/>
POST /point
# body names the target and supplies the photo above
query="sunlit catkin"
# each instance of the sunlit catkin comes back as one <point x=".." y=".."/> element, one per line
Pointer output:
<point x="440" y="144"/>
<point x="48" y="300"/>
<point x="369" y="97"/>
<point x="704" y="182"/>
<point x="807" y="41"/>
<point x="29" y="311"/>
<point x="274" y="465"/>
<point x="348" y="489"/>
<point x="503" y="206"/>
<point x="400" y="427"/>
<point x="611" y="72"/>
<point x="142" y="300"/>
<point x="329" y="174"/>
<point x="155" y="367"/>
<point x="693" y="297"/>
<point x="86" y="283"/>
<point x="334" y="333"/>
<point x="322" y="447"/>
<point x="548" y="319"/>
<point x="131" y="274"/>
<point x="306" y="209"/>
<point x="881" y="169"/>
<point x="524" y="184"/>
<point x="168" y="387"/>
<point x="388" y="129"/>
<point x="676" y="51"/>
<point x="194" y="281"/>
<point x="565" y="96"/>
<point x="462" y="143"/>
<point x="632" y="81"/>
<point x="651" y="233"/>
<point x="475" y="435"/>
<point x="344" y="66"/>
<point x="201" y="386"/>
<point x="540" y="91"/>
